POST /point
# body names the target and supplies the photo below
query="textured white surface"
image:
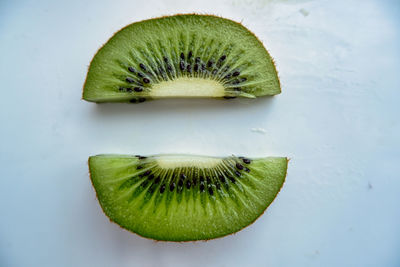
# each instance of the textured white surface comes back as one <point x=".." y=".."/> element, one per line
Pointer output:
<point x="337" y="118"/>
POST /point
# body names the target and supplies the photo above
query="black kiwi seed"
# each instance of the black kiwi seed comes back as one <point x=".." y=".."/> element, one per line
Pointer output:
<point x="180" y="182"/>
<point x="131" y="69"/>
<point x="129" y="90"/>
<point x="235" y="82"/>
<point x="139" y="167"/>
<point x="243" y="79"/>
<point x="162" y="188"/>
<point x="133" y="100"/>
<point x="196" y="67"/>
<point x="222" y="178"/>
<point x="210" y="63"/>
<point x="141" y="75"/>
<point x="189" y="68"/>
<point x="197" y="60"/>
<point x="246" y="169"/>
<point x="236" y="73"/>
<point x="237" y="89"/>
<point x="145" y="80"/>
<point x="151" y="176"/>
<point x="157" y="180"/>
<point x="141" y="99"/>
<point x="121" y="89"/>
<point x="183" y="56"/>
<point x="183" y="176"/>
<point x="238" y="173"/>
<point x="138" y="89"/>
<point x="151" y="189"/>
<point x="169" y="68"/>
<point x="229" y="97"/>
<point x="202" y="187"/>
<point x="232" y="179"/>
<point x="239" y="166"/>
<point x="208" y="180"/>
<point x="146" y="173"/>
<point x="222" y="58"/>
<point x="203" y="67"/>
<point x="165" y="59"/>
<point x="210" y="191"/>
<point x="142" y="157"/>
<point x="214" y="71"/>
<point x="142" y="66"/>
<point x="161" y="70"/>
<point x="190" y="55"/>
<point x="188" y="184"/>
<point x="218" y="186"/>
<point x="182" y="66"/>
<point x="227" y="76"/>
<point x="201" y="179"/>
<point x="172" y="186"/>
<point x="129" y="80"/>
<point x="179" y="189"/>
<point x="247" y="161"/>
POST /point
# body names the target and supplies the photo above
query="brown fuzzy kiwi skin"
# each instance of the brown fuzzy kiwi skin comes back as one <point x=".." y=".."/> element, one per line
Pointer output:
<point x="187" y="241"/>
<point x="186" y="14"/>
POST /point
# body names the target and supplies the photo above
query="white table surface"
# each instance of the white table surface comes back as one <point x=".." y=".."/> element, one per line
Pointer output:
<point x="337" y="119"/>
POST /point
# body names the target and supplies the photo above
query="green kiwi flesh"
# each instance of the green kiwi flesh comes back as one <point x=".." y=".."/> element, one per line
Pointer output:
<point x="185" y="197"/>
<point x="181" y="56"/>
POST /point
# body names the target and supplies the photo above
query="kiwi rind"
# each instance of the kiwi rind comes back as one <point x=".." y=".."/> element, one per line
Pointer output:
<point x="104" y="169"/>
<point x="110" y="67"/>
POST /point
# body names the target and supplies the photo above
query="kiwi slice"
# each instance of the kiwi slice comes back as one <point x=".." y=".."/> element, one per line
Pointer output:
<point x="185" y="197"/>
<point x="181" y="56"/>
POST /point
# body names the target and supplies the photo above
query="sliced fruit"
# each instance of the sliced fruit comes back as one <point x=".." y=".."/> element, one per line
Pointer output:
<point x="181" y="56"/>
<point x="185" y="197"/>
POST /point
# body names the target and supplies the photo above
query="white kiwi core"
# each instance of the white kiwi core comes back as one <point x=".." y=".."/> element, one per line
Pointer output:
<point x="188" y="87"/>
<point x="180" y="161"/>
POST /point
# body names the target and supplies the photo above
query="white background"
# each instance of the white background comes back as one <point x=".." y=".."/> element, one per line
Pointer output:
<point x="337" y="119"/>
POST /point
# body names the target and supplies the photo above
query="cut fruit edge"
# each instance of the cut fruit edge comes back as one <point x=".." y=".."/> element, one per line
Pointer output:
<point x="207" y="161"/>
<point x="179" y="87"/>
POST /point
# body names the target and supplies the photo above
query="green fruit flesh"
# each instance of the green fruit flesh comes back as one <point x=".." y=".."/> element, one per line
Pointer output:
<point x="185" y="198"/>
<point x="181" y="56"/>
